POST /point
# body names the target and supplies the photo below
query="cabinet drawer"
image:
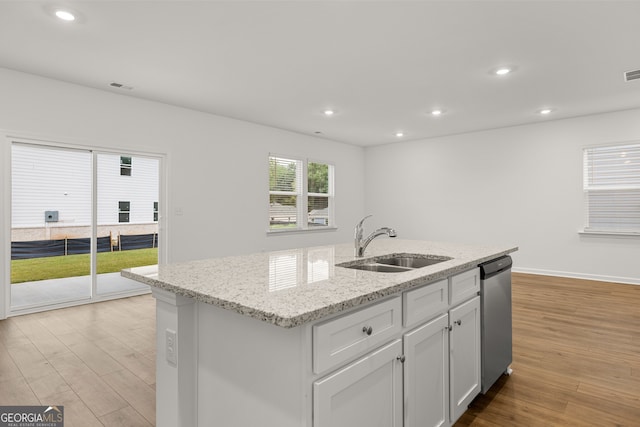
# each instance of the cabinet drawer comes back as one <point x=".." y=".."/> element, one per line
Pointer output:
<point x="464" y="286"/>
<point x="343" y="338"/>
<point x="426" y="302"/>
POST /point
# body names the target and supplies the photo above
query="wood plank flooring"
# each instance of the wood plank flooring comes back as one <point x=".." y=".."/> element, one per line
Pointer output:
<point x="576" y="359"/>
<point x="96" y="360"/>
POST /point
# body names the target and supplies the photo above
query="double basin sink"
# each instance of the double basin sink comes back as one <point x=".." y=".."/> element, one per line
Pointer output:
<point x="397" y="263"/>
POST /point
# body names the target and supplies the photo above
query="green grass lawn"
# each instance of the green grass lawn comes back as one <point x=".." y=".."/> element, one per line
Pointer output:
<point x="57" y="267"/>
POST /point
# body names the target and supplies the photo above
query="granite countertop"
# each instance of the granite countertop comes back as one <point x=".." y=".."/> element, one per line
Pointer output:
<point x="293" y="287"/>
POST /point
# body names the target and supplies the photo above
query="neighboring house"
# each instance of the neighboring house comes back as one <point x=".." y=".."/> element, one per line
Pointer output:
<point x="51" y="193"/>
<point x="319" y="216"/>
<point x="284" y="214"/>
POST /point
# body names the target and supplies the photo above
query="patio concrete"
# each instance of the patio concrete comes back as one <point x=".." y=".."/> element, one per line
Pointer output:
<point x="43" y="292"/>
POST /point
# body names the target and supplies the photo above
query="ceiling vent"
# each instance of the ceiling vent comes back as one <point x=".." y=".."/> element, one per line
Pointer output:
<point x="632" y="75"/>
<point x="120" y="86"/>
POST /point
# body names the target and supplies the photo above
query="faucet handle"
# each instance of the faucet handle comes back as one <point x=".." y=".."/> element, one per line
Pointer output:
<point x="362" y="220"/>
<point x="357" y="232"/>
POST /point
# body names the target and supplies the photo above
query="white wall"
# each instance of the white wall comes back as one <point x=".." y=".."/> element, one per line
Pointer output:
<point x="437" y="189"/>
<point x="217" y="168"/>
<point x="519" y="185"/>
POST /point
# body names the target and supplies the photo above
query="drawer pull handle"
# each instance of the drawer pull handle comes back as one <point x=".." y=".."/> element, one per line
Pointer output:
<point x="367" y="330"/>
<point x="458" y="322"/>
<point x="401" y="358"/>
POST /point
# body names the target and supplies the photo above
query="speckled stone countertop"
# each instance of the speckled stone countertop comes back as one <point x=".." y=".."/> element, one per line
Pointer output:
<point x="290" y="288"/>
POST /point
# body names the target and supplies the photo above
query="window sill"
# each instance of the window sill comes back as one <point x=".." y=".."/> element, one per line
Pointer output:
<point x="300" y="231"/>
<point x="609" y="233"/>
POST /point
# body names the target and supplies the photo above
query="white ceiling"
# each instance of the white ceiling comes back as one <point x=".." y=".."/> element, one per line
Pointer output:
<point x="382" y="66"/>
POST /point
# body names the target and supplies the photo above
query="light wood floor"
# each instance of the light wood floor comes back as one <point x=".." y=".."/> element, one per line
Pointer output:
<point x="576" y="359"/>
<point x="96" y="360"/>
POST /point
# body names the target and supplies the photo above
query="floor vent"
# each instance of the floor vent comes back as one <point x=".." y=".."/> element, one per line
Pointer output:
<point x="632" y="75"/>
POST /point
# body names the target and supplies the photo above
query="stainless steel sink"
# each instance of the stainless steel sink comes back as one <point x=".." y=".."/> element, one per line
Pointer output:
<point x="397" y="263"/>
<point x="381" y="268"/>
<point x="412" y="261"/>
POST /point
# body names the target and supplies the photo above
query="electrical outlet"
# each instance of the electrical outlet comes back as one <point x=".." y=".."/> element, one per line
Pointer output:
<point x="171" y="350"/>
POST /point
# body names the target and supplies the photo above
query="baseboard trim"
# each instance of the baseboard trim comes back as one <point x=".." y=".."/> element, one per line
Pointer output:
<point x="595" y="277"/>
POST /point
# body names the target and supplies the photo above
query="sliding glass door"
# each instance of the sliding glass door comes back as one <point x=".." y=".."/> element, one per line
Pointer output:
<point x="127" y="218"/>
<point x="50" y="225"/>
<point x="77" y="218"/>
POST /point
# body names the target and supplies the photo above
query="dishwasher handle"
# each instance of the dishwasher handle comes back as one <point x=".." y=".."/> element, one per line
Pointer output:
<point x="496" y="266"/>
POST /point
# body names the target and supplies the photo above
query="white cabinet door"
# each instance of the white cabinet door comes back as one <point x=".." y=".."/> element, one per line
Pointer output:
<point x="366" y="393"/>
<point x="465" y="356"/>
<point x="426" y="374"/>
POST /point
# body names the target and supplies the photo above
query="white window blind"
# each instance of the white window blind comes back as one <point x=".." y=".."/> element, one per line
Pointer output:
<point x="285" y="190"/>
<point x="612" y="188"/>
<point x="300" y="194"/>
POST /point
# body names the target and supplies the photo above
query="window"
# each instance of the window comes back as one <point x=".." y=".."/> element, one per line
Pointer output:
<point x="124" y="208"/>
<point x="125" y="166"/>
<point x="612" y="188"/>
<point x="155" y="211"/>
<point x="300" y="194"/>
<point x="318" y="194"/>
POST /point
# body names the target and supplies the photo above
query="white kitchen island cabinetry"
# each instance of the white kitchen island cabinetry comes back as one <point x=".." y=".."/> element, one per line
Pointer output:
<point x="426" y="374"/>
<point x="235" y="347"/>
<point x="367" y="392"/>
<point x="464" y="363"/>
<point x="442" y="356"/>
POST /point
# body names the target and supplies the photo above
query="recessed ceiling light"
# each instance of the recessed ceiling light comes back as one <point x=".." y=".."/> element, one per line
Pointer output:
<point x="436" y="112"/>
<point x="545" y="111"/>
<point x="328" y="113"/>
<point x="65" y="15"/>
<point x="399" y="134"/>
<point x="503" y="70"/>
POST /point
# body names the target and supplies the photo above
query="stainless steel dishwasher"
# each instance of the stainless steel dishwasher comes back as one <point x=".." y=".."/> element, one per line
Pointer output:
<point x="495" y="305"/>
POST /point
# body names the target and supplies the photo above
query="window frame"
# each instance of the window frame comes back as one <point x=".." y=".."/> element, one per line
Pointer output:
<point x="302" y="195"/>
<point x="121" y="211"/>
<point x="329" y="194"/>
<point x="589" y="228"/>
<point x="6" y="308"/>
<point x="125" y="167"/>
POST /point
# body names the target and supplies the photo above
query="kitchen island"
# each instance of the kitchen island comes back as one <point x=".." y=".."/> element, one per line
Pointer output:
<point x="289" y="338"/>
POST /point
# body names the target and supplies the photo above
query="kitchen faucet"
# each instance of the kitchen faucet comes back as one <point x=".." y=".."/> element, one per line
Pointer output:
<point x="361" y="244"/>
